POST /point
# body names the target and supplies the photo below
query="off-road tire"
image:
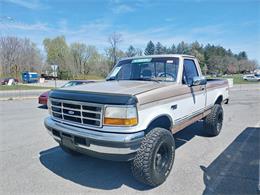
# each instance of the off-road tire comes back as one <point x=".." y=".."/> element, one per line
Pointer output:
<point x="69" y="151"/>
<point x="213" y="121"/>
<point x="146" y="164"/>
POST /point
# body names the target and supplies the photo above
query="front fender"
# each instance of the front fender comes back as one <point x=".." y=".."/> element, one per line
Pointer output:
<point x="149" y="114"/>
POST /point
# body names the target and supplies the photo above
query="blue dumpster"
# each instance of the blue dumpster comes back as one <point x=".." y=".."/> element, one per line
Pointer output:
<point x="30" y="77"/>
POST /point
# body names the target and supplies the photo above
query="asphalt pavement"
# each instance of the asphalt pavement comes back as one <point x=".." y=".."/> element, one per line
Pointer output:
<point x="31" y="162"/>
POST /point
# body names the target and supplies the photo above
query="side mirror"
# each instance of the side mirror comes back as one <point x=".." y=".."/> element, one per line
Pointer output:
<point x="198" y="81"/>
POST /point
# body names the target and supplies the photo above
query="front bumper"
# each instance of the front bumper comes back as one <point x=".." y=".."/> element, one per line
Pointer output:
<point x="112" y="146"/>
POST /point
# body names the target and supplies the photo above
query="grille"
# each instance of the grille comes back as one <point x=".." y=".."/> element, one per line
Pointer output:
<point x="77" y="112"/>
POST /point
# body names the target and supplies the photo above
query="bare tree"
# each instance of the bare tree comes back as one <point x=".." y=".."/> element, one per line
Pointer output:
<point x="79" y="57"/>
<point x="17" y="55"/>
<point x="114" y="41"/>
<point x="83" y="58"/>
<point x="9" y="51"/>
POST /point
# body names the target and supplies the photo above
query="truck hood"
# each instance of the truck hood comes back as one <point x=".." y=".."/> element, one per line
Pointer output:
<point x="117" y="87"/>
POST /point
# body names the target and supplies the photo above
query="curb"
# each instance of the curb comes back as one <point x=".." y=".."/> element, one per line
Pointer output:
<point x="18" y="98"/>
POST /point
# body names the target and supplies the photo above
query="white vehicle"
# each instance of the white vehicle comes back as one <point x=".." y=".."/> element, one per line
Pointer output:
<point x="133" y="115"/>
<point x="251" y="77"/>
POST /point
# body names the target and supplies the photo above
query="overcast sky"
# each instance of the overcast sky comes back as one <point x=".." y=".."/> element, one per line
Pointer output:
<point x="234" y="24"/>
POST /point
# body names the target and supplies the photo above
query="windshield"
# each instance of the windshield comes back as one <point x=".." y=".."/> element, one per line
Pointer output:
<point x="157" y="69"/>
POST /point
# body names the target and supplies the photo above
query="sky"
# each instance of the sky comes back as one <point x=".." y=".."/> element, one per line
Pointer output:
<point x="233" y="24"/>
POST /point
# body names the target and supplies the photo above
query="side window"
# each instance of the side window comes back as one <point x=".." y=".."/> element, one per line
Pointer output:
<point x="189" y="71"/>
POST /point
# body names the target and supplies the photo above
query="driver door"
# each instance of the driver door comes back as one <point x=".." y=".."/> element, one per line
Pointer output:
<point x="197" y="98"/>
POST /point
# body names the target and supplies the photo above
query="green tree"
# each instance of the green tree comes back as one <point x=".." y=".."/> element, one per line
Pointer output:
<point x="173" y="49"/>
<point x="196" y="50"/>
<point x="183" y="48"/>
<point x="150" y="49"/>
<point x="57" y="52"/>
<point x="164" y="50"/>
<point x="159" y="49"/>
<point x="131" y="51"/>
<point x="242" y="56"/>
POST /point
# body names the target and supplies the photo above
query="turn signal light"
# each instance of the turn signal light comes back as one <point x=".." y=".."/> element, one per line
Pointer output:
<point x="120" y="121"/>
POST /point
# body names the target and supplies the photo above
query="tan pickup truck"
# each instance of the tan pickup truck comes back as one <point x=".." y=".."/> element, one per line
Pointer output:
<point x="133" y="115"/>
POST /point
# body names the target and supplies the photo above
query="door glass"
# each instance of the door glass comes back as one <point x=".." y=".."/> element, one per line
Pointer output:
<point x="189" y="71"/>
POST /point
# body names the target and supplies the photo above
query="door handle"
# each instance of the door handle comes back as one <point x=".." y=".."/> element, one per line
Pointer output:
<point x="174" y="107"/>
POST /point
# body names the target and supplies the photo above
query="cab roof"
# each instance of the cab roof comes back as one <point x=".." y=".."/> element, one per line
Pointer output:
<point x="159" y="56"/>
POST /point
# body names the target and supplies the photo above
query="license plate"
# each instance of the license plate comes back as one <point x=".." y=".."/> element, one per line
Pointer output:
<point x="67" y="141"/>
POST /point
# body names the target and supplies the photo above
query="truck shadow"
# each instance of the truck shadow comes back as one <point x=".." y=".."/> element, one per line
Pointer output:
<point x="89" y="171"/>
<point x="235" y="170"/>
<point x="102" y="174"/>
<point x="43" y="107"/>
<point x="185" y="135"/>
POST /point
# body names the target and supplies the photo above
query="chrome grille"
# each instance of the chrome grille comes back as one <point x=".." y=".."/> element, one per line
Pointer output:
<point x="76" y="112"/>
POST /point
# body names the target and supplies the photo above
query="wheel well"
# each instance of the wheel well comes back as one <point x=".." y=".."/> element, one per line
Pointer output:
<point x="219" y="100"/>
<point x="163" y="121"/>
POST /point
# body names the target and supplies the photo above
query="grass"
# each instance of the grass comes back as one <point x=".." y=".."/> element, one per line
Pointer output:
<point x="21" y="87"/>
<point x="237" y="79"/>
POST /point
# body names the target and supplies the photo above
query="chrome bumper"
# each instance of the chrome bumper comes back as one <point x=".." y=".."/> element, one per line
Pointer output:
<point x="99" y="142"/>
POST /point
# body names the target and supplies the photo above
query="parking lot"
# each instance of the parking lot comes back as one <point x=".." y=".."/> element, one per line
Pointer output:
<point x="31" y="161"/>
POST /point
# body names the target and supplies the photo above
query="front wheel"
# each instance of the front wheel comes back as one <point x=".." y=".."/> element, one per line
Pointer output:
<point x="155" y="157"/>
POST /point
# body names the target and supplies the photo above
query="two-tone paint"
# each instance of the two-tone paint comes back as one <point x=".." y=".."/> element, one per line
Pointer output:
<point x="177" y="103"/>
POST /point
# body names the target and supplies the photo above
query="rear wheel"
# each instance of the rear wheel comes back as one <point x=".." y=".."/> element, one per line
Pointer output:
<point x="155" y="157"/>
<point x="213" y="122"/>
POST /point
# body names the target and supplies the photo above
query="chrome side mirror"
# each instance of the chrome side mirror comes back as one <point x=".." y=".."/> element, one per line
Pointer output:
<point x="199" y="81"/>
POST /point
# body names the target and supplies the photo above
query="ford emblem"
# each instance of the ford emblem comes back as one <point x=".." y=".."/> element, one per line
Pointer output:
<point x="70" y="112"/>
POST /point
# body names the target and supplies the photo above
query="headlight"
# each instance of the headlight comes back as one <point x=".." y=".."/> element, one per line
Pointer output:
<point x="121" y="116"/>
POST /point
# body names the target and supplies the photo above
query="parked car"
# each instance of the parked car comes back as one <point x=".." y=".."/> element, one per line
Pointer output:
<point x="43" y="98"/>
<point x="251" y="77"/>
<point x="133" y="115"/>
<point x="6" y="80"/>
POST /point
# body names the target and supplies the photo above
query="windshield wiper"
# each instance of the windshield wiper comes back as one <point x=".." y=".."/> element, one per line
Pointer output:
<point x="147" y="79"/>
<point x="111" y="79"/>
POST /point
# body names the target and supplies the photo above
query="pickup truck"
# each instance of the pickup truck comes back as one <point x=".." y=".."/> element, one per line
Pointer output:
<point x="134" y="114"/>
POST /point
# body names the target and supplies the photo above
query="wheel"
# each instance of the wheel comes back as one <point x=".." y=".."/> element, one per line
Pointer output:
<point x="153" y="161"/>
<point x="69" y="151"/>
<point x="213" y="122"/>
